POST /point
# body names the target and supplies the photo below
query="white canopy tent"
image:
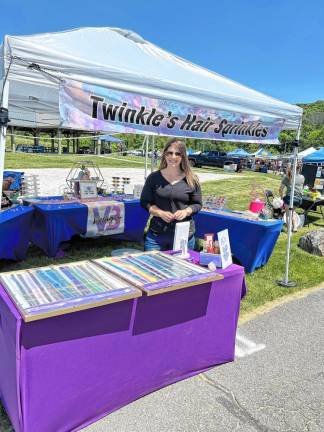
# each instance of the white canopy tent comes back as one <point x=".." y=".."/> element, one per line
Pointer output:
<point x="31" y="67"/>
<point x="121" y="60"/>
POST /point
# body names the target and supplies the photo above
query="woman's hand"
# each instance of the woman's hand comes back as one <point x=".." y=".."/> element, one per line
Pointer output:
<point x="182" y="214"/>
<point x="166" y="216"/>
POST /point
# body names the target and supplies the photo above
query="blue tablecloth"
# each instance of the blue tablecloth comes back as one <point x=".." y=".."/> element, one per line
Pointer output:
<point x="15" y="229"/>
<point x="56" y="223"/>
<point x="252" y="242"/>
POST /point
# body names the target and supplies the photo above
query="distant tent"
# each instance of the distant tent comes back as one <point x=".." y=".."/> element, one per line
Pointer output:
<point x="238" y="152"/>
<point x="315" y="157"/>
<point x="306" y="152"/>
<point x="261" y="153"/>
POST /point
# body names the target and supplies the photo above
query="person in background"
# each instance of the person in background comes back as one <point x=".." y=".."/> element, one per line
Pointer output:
<point x="171" y="194"/>
<point x="84" y="173"/>
<point x="155" y="157"/>
<point x="6" y="183"/>
<point x="239" y="166"/>
<point x="285" y="192"/>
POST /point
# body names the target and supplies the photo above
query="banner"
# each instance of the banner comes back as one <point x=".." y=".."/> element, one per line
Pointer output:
<point x="94" y="108"/>
<point x="105" y="218"/>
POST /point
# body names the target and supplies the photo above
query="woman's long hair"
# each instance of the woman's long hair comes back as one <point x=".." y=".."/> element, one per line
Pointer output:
<point x="191" y="178"/>
<point x="289" y="170"/>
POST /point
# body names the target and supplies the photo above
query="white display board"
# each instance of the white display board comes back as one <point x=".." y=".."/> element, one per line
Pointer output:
<point x="88" y="189"/>
<point x="180" y="241"/>
<point x="225" y="248"/>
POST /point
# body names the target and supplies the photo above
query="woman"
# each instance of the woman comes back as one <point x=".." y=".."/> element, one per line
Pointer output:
<point x="171" y="194"/>
<point x="286" y="185"/>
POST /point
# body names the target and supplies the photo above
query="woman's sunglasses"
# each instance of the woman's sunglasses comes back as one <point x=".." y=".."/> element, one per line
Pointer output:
<point x="171" y="153"/>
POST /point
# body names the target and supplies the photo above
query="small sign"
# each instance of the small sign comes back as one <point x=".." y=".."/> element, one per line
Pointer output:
<point x="180" y="241"/>
<point x="225" y="248"/>
<point x="129" y="189"/>
<point x="88" y="189"/>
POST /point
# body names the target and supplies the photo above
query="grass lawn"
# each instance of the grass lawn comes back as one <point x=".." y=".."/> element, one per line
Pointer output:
<point x="307" y="270"/>
<point x="29" y="160"/>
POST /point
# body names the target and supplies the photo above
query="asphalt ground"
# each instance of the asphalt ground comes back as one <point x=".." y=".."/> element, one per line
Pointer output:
<point x="276" y="385"/>
<point x="52" y="181"/>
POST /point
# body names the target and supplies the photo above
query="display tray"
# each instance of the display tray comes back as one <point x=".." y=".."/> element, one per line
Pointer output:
<point x="49" y="291"/>
<point x="157" y="272"/>
<point x="237" y="214"/>
<point x="49" y="200"/>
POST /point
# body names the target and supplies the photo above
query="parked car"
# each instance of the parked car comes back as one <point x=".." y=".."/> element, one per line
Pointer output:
<point x="213" y="158"/>
<point x="30" y="148"/>
<point x="136" y="152"/>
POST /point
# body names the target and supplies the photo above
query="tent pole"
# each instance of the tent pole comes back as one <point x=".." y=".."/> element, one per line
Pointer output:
<point x="285" y="282"/>
<point x="146" y="142"/>
<point x="3" y="132"/>
<point x="152" y="154"/>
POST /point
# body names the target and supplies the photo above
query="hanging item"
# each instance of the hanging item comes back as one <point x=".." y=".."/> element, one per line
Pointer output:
<point x="87" y="172"/>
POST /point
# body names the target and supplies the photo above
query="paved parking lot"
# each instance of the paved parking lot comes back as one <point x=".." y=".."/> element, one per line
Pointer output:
<point x="52" y="180"/>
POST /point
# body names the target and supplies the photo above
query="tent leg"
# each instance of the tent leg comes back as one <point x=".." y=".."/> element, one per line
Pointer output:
<point x="3" y="132"/>
<point x="153" y="151"/>
<point x="146" y="143"/>
<point x="286" y="282"/>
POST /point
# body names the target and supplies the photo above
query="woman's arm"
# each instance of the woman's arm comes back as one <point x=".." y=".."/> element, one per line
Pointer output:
<point x="183" y="214"/>
<point x="148" y="201"/>
<point x="283" y="186"/>
<point x="194" y="206"/>
<point x="281" y="190"/>
<point x="196" y="200"/>
<point x="147" y="195"/>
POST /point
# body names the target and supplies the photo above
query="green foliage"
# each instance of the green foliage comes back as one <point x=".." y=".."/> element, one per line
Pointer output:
<point x="312" y="133"/>
<point x="307" y="270"/>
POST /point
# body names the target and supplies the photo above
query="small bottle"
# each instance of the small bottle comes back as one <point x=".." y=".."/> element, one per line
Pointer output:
<point x="216" y="247"/>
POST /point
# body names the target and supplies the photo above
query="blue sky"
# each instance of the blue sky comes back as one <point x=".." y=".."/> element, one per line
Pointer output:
<point x="274" y="46"/>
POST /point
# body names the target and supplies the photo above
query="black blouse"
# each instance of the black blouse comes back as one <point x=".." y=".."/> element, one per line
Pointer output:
<point x="170" y="197"/>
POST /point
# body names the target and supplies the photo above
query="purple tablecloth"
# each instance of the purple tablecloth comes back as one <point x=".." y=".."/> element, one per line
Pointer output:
<point x="62" y="373"/>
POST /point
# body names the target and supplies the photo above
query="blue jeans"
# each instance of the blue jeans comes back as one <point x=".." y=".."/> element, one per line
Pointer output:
<point x="163" y="242"/>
